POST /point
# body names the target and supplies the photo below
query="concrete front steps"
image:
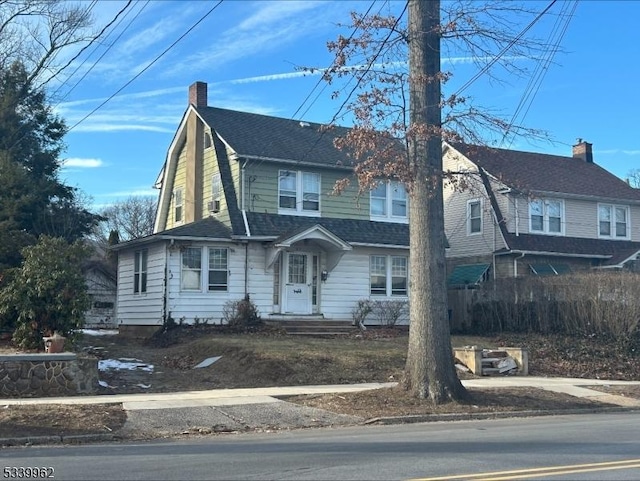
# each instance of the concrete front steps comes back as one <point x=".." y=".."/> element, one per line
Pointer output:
<point x="313" y="326"/>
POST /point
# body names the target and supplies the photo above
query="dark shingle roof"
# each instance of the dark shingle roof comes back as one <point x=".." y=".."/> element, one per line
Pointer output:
<point x="531" y="171"/>
<point x="349" y="230"/>
<point x="254" y="135"/>
<point x="618" y="250"/>
<point x="209" y="227"/>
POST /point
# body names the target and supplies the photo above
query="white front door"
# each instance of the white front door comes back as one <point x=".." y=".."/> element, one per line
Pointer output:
<point x="297" y="291"/>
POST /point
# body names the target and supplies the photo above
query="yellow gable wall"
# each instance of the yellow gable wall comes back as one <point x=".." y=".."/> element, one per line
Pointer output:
<point x="179" y="182"/>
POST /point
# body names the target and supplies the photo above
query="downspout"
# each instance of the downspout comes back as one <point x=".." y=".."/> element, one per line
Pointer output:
<point x="246" y="252"/>
<point x="515" y="264"/>
<point x="517" y="218"/>
<point x="165" y="306"/>
<point x="246" y="269"/>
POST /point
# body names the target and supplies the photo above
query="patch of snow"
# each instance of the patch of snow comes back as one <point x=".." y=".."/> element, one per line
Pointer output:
<point x="105" y="384"/>
<point x="99" y="332"/>
<point x="123" y="365"/>
<point x="144" y="386"/>
<point x="207" y="362"/>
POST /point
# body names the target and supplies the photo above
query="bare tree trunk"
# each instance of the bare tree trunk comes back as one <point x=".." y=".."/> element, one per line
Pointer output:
<point x="429" y="371"/>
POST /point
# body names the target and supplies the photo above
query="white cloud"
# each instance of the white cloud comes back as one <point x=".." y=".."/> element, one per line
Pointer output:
<point x="617" y="152"/>
<point x="82" y="163"/>
<point x="137" y="192"/>
<point x="118" y="127"/>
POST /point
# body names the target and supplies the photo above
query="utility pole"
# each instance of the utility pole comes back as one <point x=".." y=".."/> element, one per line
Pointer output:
<point x="430" y="372"/>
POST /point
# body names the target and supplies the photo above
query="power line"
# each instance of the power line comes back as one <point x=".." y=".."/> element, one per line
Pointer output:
<point x="329" y="68"/>
<point x="505" y="49"/>
<point x="148" y="66"/>
<point x="361" y="77"/>
<point x="103" y="53"/>
<point x="104" y="29"/>
<point x="541" y="69"/>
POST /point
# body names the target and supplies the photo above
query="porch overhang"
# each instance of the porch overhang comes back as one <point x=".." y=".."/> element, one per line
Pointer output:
<point x="333" y="245"/>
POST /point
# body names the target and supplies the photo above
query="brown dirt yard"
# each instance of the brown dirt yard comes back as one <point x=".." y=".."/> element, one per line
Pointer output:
<point x="271" y="358"/>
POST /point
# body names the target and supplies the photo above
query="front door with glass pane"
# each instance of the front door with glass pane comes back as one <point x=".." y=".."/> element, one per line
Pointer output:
<point x="297" y="288"/>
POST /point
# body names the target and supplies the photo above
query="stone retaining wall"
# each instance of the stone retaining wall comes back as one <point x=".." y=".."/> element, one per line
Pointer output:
<point x="41" y="375"/>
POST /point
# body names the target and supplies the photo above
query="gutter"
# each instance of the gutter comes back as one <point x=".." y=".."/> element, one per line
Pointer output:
<point x="554" y="254"/>
<point x="293" y="162"/>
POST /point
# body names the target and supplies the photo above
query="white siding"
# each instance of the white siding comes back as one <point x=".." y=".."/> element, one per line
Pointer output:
<point x="207" y="306"/>
<point x="349" y="282"/>
<point x="260" y="280"/>
<point x="143" y="308"/>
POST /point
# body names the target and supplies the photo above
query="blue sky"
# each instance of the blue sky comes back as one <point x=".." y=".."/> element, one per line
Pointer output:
<point x="247" y="52"/>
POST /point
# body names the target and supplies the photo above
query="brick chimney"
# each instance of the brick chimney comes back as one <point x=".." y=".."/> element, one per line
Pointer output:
<point x="198" y="94"/>
<point x="582" y="150"/>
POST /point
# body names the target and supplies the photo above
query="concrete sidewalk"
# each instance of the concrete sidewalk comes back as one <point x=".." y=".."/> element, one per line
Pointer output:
<point x="159" y="415"/>
<point x="228" y="397"/>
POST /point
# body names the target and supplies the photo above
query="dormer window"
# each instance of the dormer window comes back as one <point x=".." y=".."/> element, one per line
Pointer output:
<point x="388" y="200"/>
<point x="298" y="192"/>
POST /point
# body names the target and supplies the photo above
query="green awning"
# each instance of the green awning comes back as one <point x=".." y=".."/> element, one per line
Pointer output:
<point x="549" y="269"/>
<point x="467" y="275"/>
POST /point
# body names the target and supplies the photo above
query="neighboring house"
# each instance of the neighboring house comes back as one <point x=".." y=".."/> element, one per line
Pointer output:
<point x="523" y="214"/>
<point x="246" y="208"/>
<point x="100" y="277"/>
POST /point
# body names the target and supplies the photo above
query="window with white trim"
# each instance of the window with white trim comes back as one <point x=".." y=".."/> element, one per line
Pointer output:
<point x="474" y="216"/>
<point x="298" y="192"/>
<point x="613" y="221"/>
<point x="177" y="205"/>
<point x="191" y="278"/>
<point x="218" y="269"/>
<point x="546" y="216"/>
<point x="216" y="187"/>
<point x="389" y="200"/>
<point x="388" y="275"/>
<point x="140" y="271"/>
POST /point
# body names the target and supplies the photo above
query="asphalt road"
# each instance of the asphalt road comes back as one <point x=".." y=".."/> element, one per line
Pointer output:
<point x="585" y="447"/>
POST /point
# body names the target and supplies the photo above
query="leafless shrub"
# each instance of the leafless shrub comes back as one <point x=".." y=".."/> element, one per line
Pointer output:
<point x="603" y="304"/>
<point x="360" y="312"/>
<point x="388" y="313"/>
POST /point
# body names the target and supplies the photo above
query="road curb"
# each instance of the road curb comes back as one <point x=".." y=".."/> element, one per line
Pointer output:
<point x="425" y="418"/>
<point x="69" y="439"/>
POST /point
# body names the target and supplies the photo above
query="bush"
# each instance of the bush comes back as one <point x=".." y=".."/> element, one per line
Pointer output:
<point x="360" y="312"/>
<point x="241" y="315"/>
<point x="388" y="313"/>
<point x="47" y="293"/>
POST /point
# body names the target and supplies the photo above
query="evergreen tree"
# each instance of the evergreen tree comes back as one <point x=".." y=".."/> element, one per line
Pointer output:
<point x="33" y="201"/>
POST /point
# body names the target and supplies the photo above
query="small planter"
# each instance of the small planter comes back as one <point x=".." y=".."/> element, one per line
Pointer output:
<point x="54" y="344"/>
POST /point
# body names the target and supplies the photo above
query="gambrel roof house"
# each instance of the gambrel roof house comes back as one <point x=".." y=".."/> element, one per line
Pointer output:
<point x="527" y="213"/>
<point x="246" y="208"/>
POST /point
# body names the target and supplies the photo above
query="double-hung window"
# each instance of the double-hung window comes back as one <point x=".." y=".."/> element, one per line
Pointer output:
<point x="191" y="269"/>
<point x="613" y="221"/>
<point x="177" y="205"/>
<point x="474" y="217"/>
<point x="388" y="200"/>
<point x="140" y="271"/>
<point x="214" y="261"/>
<point x="388" y="275"/>
<point x="216" y="187"/>
<point x="546" y="216"/>
<point x="218" y="269"/>
<point x="298" y="192"/>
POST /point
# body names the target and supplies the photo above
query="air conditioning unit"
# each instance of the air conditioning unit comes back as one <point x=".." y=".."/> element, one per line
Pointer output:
<point x="213" y="206"/>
